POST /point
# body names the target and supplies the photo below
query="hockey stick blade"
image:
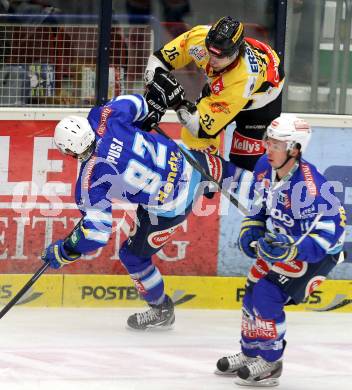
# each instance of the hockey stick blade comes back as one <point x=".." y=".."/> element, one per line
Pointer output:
<point x="24" y="289"/>
<point x="195" y="164"/>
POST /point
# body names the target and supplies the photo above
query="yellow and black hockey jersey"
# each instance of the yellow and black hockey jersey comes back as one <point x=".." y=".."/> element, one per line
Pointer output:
<point x="251" y="81"/>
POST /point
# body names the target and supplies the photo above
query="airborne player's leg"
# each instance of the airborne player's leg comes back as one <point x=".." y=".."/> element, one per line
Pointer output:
<point x="136" y="255"/>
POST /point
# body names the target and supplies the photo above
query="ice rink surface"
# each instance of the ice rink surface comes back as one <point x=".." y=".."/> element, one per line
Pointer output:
<point x="92" y="349"/>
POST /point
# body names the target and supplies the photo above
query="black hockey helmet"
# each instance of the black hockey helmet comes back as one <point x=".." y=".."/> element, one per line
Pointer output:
<point x="225" y="37"/>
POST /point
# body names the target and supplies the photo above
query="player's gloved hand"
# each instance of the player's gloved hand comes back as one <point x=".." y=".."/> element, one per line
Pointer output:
<point x="251" y="231"/>
<point x="163" y="91"/>
<point x="56" y="255"/>
<point x="152" y="119"/>
<point x="166" y="86"/>
<point x="188" y="116"/>
<point x="276" y="247"/>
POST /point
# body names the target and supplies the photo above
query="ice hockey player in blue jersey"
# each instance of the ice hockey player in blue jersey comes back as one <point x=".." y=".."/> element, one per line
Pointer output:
<point x="304" y="243"/>
<point x="121" y="161"/>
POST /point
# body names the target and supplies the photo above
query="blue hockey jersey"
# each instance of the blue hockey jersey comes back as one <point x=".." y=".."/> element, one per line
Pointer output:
<point x="292" y="204"/>
<point x="131" y="165"/>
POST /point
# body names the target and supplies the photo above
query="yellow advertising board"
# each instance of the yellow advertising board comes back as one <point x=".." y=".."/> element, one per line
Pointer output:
<point x="193" y="292"/>
<point x="46" y="292"/>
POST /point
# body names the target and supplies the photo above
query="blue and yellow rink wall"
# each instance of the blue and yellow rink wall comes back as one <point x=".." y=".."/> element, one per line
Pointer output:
<point x="189" y="292"/>
<point x="205" y="248"/>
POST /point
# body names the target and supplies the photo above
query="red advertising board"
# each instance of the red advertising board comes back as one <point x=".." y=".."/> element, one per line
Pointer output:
<point x="37" y="207"/>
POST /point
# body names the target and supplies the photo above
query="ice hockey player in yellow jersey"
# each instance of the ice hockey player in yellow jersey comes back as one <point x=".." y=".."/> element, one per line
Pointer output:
<point x="244" y="83"/>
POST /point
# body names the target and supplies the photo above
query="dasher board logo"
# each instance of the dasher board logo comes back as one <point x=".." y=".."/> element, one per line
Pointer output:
<point x="315" y="298"/>
<point x="8" y="291"/>
<point x="128" y="293"/>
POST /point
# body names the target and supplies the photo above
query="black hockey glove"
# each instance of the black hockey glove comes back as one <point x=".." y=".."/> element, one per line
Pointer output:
<point x="163" y="91"/>
<point x="165" y="84"/>
<point x="156" y="108"/>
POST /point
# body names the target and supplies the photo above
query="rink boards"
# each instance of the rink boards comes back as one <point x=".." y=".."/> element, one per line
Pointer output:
<point x="37" y="207"/>
<point x="193" y="292"/>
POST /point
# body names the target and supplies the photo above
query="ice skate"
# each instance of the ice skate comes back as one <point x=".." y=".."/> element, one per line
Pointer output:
<point x="159" y="317"/>
<point x="259" y="373"/>
<point x="229" y="365"/>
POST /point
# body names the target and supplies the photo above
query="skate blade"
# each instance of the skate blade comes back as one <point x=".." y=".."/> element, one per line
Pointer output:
<point x="269" y="382"/>
<point x="157" y="328"/>
<point x="225" y="373"/>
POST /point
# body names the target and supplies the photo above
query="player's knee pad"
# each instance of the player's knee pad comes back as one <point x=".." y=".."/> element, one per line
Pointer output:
<point x="268" y="299"/>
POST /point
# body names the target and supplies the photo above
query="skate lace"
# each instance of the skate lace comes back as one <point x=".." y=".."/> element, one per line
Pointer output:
<point x="236" y="360"/>
<point x="147" y="316"/>
<point x="259" y="367"/>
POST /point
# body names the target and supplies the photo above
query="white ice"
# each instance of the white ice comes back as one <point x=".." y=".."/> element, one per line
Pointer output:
<point x="92" y="349"/>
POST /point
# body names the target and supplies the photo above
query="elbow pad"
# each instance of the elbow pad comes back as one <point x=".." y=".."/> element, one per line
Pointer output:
<point x="153" y="63"/>
<point x="188" y="116"/>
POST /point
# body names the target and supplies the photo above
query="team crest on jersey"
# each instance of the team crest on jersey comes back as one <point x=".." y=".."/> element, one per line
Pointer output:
<point x="219" y="107"/>
<point x="198" y="52"/>
<point x="217" y="86"/>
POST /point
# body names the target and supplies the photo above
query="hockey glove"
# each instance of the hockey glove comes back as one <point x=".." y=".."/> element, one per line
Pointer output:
<point x="153" y="118"/>
<point x="165" y="87"/>
<point x="277" y="247"/>
<point x="188" y="116"/>
<point x="56" y="255"/>
<point x="162" y="92"/>
<point x="251" y="231"/>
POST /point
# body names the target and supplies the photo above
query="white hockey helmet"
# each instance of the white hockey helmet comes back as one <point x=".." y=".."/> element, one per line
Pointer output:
<point x="292" y="130"/>
<point x="74" y="135"/>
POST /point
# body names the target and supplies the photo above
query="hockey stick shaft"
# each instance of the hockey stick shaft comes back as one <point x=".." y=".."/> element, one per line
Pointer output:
<point x="24" y="289"/>
<point x="195" y="164"/>
<point x="302" y="237"/>
<point x="309" y="230"/>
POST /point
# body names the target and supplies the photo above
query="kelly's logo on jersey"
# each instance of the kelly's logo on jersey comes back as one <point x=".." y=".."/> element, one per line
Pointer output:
<point x="217" y="86"/>
<point x="242" y="145"/>
<point x="219" y="107"/>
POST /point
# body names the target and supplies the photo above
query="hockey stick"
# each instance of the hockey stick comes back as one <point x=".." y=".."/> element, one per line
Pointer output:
<point x="195" y="164"/>
<point x="298" y="241"/>
<point x="303" y="236"/>
<point x="311" y="227"/>
<point x="24" y="289"/>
